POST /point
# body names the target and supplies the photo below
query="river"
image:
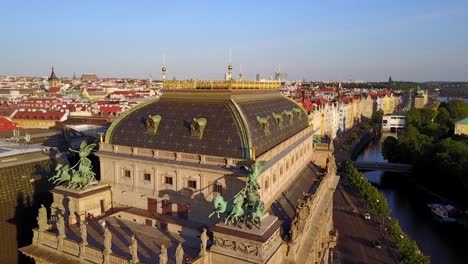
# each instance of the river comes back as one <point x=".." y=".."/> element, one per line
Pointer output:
<point x="444" y="243"/>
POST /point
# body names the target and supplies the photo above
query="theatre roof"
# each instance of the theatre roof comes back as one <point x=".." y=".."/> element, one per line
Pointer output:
<point x="235" y="121"/>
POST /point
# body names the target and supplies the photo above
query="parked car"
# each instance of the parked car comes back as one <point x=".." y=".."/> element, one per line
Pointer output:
<point x="367" y="216"/>
<point x="377" y="244"/>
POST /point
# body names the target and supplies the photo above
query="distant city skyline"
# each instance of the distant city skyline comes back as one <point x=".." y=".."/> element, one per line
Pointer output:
<point x="330" y="40"/>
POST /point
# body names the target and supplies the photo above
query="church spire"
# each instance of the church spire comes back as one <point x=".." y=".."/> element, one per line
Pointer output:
<point x="52" y="75"/>
<point x="53" y="80"/>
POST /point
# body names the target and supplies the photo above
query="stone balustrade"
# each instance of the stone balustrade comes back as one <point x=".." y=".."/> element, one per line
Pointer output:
<point x="198" y="158"/>
<point x="172" y="155"/>
<point x="74" y="248"/>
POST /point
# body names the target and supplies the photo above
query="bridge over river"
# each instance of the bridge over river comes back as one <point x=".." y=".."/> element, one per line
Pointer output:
<point x="382" y="166"/>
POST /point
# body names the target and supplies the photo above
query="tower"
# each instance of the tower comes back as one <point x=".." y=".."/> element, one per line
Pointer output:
<point x="164" y="68"/>
<point x="390" y="79"/>
<point x="163" y="72"/>
<point x="53" y="80"/>
<point x="241" y="76"/>
<point x="228" y="75"/>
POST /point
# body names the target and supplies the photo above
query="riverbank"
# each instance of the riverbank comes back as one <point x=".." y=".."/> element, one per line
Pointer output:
<point x="444" y="243"/>
<point x="361" y="240"/>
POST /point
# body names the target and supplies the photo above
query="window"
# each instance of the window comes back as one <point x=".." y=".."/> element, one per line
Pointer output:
<point x="147" y="176"/>
<point x="274" y="177"/>
<point x="218" y="188"/>
<point x="126" y="173"/>
<point x="192" y="184"/>
<point x="267" y="184"/>
<point x="168" y="180"/>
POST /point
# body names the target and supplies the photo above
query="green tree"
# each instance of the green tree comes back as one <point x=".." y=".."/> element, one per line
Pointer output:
<point x="377" y="118"/>
<point x="390" y="149"/>
<point x="414" y="118"/>
<point x="458" y="109"/>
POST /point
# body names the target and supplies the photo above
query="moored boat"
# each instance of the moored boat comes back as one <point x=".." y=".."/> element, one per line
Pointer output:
<point x="443" y="213"/>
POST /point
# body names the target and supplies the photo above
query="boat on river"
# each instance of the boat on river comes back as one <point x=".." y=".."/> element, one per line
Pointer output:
<point x="443" y="213"/>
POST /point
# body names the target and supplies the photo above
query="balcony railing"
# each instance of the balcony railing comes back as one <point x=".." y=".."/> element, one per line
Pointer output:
<point x="199" y="158"/>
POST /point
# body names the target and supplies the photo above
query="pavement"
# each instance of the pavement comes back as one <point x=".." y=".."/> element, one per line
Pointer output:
<point x="357" y="234"/>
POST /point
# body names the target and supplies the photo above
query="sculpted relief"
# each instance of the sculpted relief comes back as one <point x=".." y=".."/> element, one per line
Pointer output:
<point x="241" y="247"/>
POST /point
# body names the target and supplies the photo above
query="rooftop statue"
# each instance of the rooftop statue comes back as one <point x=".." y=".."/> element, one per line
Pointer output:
<point x="179" y="254"/>
<point x="245" y="207"/>
<point x="84" y="233"/>
<point x="76" y="179"/>
<point x="134" y="250"/>
<point x="61" y="226"/>
<point x="163" y="255"/>
<point x="42" y="219"/>
<point x="107" y="241"/>
<point x="204" y="242"/>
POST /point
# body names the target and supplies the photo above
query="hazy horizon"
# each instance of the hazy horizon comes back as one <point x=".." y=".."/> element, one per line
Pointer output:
<point x="333" y="40"/>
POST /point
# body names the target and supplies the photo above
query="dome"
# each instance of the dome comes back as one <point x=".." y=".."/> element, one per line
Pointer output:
<point x="231" y="122"/>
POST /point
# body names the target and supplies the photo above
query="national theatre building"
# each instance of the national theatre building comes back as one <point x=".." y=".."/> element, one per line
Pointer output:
<point x="166" y="163"/>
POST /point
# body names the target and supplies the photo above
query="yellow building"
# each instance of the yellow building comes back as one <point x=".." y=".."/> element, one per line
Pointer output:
<point x="367" y="105"/>
<point x="461" y="127"/>
<point x="39" y="119"/>
<point x="388" y="104"/>
<point x="94" y="93"/>
<point x="421" y="98"/>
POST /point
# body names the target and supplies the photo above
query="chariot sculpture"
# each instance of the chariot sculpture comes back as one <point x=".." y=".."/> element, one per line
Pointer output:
<point x="76" y="178"/>
<point x="245" y="208"/>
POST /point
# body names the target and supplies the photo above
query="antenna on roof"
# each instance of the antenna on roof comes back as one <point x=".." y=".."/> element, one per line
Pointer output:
<point x="230" y="55"/>
<point x="164" y="58"/>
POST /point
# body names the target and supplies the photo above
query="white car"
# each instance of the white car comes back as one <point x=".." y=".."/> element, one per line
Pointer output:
<point x="367" y="216"/>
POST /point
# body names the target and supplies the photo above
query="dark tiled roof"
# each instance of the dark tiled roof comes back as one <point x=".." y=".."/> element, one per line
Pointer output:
<point x="220" y="138"/>
<point x="229" y="123"/>
<point x="264" y="141"/>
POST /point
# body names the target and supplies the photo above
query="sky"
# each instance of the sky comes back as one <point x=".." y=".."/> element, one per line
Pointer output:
<point x="413" y="40"/>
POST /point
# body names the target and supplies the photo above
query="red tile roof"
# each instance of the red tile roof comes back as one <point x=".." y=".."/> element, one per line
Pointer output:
<point x="110" y="109"/>
<point x="7" y="125"/>
<point x="39" y="115"/>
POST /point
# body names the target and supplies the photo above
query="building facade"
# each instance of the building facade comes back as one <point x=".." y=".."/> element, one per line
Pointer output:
<point x="165" y="160"/>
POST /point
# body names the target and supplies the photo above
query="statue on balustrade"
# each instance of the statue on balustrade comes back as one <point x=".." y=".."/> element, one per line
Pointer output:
<point x="163" y="255"/>
<point x="42" y="219"/>
<point x="107" y="241"/>
<point x="204" y="242"/>
<point x="84" y="233"/>
<point x="61" y="226"/>
<point x="134" y="249"/>
<point x="80" y="178"/>
<point x="179" y="254"/>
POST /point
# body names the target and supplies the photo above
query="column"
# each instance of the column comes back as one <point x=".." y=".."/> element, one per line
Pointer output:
<point x="134" y="178"/>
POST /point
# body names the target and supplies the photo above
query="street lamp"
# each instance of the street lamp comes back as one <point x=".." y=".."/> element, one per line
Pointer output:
<point x="381" y="211"/>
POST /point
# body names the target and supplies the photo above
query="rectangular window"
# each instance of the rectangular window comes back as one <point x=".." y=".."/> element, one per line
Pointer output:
<point x="218" y="188"/>
<point x="147" y="176"/>
<point x="126" y="173"/>
<point x="192" y="184"/>
<point x="168" y="180"/>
